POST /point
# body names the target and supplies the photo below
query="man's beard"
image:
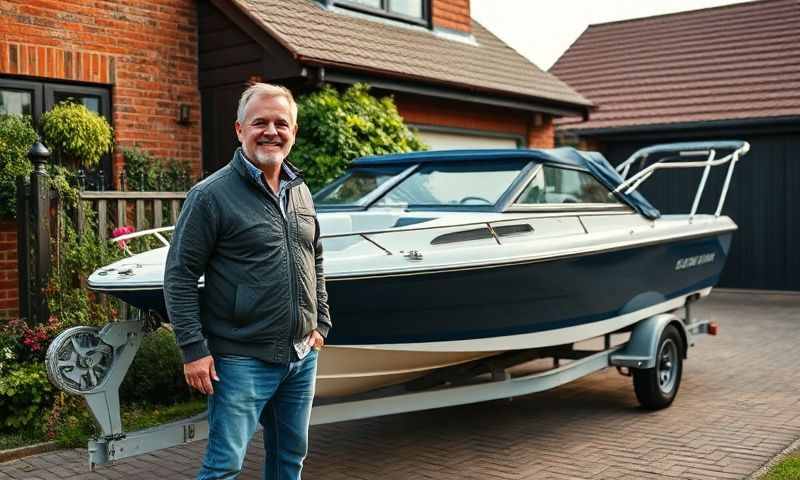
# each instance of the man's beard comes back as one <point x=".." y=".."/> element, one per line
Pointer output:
<point x="264" y="160"/>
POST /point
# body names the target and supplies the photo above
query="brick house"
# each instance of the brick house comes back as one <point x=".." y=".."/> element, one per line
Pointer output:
<point x="716" y="73"/>
<point x="453" y="80"/>
<point x="167" y="74"/>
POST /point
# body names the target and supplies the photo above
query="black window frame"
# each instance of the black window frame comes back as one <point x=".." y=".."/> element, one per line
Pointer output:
<point x="36" y="91"/>
<point x="50" y="90"/>
<point x="44" y="94"/>
<point x="384" y="11"/>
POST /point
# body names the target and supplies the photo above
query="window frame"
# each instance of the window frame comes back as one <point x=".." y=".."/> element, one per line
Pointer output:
<point x="51" y="89"/>
<point x="497" y="206"/>
<point x="44" y="94"/>
<point x="37" y="94"/>
<point x="384" y="11"/>
<point x="366" y="200"/>
<point x="515" y="206"/>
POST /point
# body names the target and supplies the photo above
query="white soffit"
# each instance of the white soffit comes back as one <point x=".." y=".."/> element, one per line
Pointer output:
<point x="448" y="141"/>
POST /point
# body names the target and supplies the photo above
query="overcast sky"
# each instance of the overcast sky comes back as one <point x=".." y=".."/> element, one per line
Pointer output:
<point x="542" y="31"/>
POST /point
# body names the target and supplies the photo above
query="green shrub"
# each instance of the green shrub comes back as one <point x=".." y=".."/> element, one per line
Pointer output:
<point x="156" y="375"/>
<point x="148" y="173"/>
<point x="19" y="438"/>
<point x="16" y="137"/>
<point x="69" y="421"/>
<point x="76" y="258"/>
<point x="24" y="392"/>
<point x="336" y="128"/>
<point x="76" y="135"/>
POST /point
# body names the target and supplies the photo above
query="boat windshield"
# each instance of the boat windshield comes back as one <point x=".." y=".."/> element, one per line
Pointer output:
<point x="454" y="184"/>
<point x="352" y="188"/>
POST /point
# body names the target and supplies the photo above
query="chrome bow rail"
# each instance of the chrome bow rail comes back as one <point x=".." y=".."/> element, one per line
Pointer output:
<point x="491" y="227"/>
<point x="737" y="148"/>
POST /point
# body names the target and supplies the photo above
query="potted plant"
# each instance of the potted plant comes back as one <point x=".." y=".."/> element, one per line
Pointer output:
<point x="77" y="136"/>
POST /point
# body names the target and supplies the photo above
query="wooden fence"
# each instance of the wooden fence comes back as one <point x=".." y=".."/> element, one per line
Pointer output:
<point x="141" y="210"/>
<point x="38" y="211"/>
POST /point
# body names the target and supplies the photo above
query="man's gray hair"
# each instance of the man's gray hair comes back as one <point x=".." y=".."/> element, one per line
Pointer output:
<point x="265" y="89"/>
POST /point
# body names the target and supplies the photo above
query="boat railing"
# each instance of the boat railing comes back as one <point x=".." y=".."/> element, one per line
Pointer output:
<point x="708" y="150"/>
<point x="491" y="227"/>
<point x="156" y="232"/>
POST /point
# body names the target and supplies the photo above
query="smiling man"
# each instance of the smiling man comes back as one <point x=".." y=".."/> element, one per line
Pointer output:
<point x="250" y="335"/>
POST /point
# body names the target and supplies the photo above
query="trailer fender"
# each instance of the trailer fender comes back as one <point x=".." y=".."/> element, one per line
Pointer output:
<point x="642" y="348"/>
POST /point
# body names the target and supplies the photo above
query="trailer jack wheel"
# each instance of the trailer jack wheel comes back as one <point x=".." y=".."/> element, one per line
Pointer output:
<point x="78" y="360"/>
<point x="91" y="362"/>
<point x="657" y="387"/>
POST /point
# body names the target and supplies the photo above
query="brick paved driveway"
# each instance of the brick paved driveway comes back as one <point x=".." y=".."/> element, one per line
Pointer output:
<point x="739" y="406"/>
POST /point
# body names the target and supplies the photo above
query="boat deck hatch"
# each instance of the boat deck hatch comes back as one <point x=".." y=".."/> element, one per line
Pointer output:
<point x="481" y="233"/>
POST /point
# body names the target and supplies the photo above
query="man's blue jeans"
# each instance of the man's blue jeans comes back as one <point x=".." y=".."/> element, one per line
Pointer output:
<point x="249" y="391"/>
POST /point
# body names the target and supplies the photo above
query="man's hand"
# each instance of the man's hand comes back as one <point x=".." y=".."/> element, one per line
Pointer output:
<point x="199" y="374"/>
<point x="316" y="340"/>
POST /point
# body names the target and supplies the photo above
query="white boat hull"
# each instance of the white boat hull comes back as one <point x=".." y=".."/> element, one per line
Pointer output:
<point x="345" y="371"/>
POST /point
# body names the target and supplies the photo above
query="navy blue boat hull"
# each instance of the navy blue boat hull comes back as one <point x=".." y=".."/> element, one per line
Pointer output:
<point x="510" y="299"/>
<point x="522" y="298"/>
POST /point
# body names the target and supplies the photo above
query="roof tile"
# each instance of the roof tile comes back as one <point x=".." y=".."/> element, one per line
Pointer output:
<point x="317" y="34"/>
<point x="732" y="62"/>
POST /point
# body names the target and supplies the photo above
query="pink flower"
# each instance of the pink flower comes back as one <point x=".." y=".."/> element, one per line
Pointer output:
<point x="120" y="231"/>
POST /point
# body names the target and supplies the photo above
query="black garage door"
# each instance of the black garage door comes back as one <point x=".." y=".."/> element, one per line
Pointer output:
<point x="763" y="200"/>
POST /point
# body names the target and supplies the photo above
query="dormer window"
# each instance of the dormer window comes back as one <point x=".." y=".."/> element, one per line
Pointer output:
<point x="409" y="11"/>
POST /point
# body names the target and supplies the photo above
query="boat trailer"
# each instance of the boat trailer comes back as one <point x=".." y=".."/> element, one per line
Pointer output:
<point x="92" y="363"/>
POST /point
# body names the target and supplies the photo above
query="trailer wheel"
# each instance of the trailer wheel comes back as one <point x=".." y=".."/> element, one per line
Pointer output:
<point x="657" y="387"/>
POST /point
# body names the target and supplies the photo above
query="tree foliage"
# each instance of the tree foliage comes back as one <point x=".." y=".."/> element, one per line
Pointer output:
<point x="76" y="135"/>
<point x="336" y="128"/>
<point x="147" y="173"/>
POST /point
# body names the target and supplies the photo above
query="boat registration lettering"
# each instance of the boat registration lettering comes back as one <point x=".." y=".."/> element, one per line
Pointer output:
<point x="695" y="261"/>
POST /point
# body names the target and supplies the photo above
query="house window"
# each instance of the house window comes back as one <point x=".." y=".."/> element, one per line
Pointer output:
<point x="14" y="102"/>
<point x="411" y="11"/>
<point x="18" y="97"/>
<point x="24" y="97"/>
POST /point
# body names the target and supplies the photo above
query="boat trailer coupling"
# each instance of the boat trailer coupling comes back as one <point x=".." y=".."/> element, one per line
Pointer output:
<point x="92" y="363"/>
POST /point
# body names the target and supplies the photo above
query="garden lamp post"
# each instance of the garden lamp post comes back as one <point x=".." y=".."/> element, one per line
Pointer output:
<point x="40" y="194"/>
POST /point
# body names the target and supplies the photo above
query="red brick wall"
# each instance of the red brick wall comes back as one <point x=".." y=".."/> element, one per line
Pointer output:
<point x="541" y="132"/>
<point x="537" y="129"/>
<point x="145" y="50"/>
<point x="448" y="113"/>
<point x="9" y="273"/>
<point x="452" y="14"/>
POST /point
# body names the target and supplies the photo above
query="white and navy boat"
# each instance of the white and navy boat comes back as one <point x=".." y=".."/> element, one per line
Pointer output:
<point x="437" y="259"/>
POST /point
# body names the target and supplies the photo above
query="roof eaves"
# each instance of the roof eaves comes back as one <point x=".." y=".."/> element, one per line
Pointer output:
<point x="542" y="104"/>
<point x="258" y="21"/>
<point x="469" y="86"/>
<point x="680" y="126"/>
